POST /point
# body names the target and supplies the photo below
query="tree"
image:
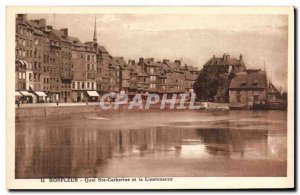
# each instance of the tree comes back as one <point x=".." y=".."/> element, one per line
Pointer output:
<point x="209" y="81"/>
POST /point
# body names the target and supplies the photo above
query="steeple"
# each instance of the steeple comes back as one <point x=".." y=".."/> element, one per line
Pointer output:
<point x="95" y="31"/>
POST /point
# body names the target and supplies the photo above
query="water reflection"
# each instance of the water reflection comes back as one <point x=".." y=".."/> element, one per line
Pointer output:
<point x="65" y="149"/>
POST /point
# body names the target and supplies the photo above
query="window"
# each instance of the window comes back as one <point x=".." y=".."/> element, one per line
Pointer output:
<point x="88" y="57"/>
<point x="30" y="77"/>
<point x="78" y="85"/>
<point x="92" y="85"/>
<point x="243" y="84"/>
<point x="152" y="86"/>
<point x="151" y="70"/>
<point x="24" y="75"/>
<point x="255" y="98"/>
<point x="82" y="85"/>
<point x="92" y="66"/>
<point x="73" y="85"/>
<point x="20" y="75"/>
<point x="255" y="84"/>
<point x="88" y="85"/>
<point x="238" y="96"/>
<point x="88" y="66"/>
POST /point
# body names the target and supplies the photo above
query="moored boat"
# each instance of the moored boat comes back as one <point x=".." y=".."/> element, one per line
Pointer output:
<point x="238" y="106"/>
<point x="270" y="106"/>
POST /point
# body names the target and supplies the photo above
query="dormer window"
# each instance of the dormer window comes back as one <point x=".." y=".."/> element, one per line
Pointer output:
<point x="255" y="84"/>
<point x="243" y="84"/>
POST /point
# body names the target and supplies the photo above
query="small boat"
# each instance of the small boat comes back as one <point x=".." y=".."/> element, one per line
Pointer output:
<point x="269" y="106"/>
<point x="237" y="106"/>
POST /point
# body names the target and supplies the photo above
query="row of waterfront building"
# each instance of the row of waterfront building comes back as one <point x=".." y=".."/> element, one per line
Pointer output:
<point x="53" y="66"/>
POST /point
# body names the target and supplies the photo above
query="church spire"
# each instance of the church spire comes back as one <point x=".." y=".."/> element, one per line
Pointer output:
<point x="95" y="31"/>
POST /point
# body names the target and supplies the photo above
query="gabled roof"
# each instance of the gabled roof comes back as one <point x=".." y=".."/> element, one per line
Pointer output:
<point x="102" y="49"/>
<point x="225" y="60"/>
<point x="76" y="41"/>
<point x="189" y="76"/>
<point x="32" y="24"/>
<point x="173" y="65"/>
<point x="61" y="36"/>
<point x="244" y="80"/>
<point x="140" y="72"/>
<point x="119" y="61"/>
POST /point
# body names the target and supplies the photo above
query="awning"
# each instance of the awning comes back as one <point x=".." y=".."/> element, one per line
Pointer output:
<point x="21" y="62"/>
<point x="92" y="93"/>
<point x="26" y="93"/>
<point x="40" y="93"/>
<point x="18" y="93"/>
<point x="26" y="63"/>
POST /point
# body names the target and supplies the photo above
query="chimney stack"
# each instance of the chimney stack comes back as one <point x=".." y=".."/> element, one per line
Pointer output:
<point x="165" y="61"/>
<point x="65" y="30"/>
<point x="22" y="16"/>
<point x="178" y="62"/>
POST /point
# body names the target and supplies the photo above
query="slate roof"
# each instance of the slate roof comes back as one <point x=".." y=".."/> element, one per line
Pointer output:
<point x="189" y="76"/>
<point x="32" y="24"/>
<point x="244" y="80"/>
<point x="102" y="49"/>
<point x="62" y="36"/>
<point x="119" y="61"/>
<point x="76" y="41"/>
<point x="224" y="61"/>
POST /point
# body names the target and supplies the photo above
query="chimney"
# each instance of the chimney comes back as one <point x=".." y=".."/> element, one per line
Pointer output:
<point x="178" y="62"/>
<point x="22" y="16"/>
<point x="227" y="57"/>
<point x="131" y="62"/>
<point x="49" y="27"/>
<point x="241" y="57"/>
<point x="42" y="22"/>
<point x="214" y="56"/>
<point x="224" y="56"/>
<point x="165" y="61"/>
<point x="65" y="30"/>
<point x="141" y="60"/>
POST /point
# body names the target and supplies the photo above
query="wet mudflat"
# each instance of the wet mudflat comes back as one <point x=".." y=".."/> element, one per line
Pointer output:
<point x="153" y="143"/>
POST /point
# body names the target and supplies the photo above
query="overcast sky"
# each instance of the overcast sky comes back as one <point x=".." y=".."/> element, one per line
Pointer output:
<point x="194" y="38"/>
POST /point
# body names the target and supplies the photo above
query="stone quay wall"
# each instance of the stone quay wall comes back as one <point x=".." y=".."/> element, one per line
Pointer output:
<point x="77" y="109"/>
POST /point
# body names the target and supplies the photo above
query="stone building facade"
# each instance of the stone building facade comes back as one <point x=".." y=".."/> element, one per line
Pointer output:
<point x="220" y="70"/>
<point x="53" y="66"/>
<point x="248" y="87"/>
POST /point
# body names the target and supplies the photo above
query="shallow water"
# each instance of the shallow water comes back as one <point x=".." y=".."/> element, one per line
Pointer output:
<point x="155" y="143"/>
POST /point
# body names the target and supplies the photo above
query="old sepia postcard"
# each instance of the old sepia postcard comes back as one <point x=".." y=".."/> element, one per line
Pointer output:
<point x="150" y="97"/>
